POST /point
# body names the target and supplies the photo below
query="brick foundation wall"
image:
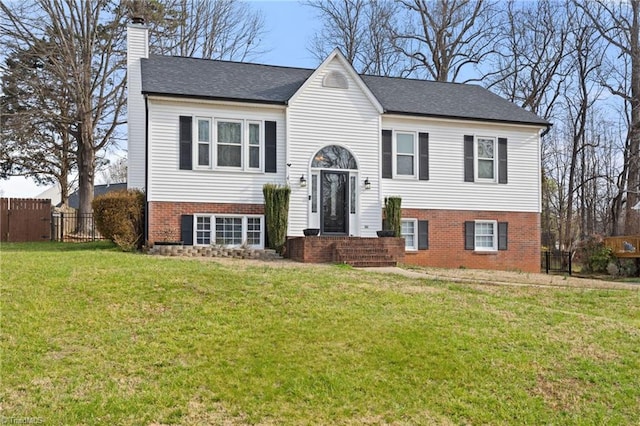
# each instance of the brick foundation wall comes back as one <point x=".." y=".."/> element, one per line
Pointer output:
<point x="446" y="241"/>
<point x="164" y="217"/>
<point x="446" y="236"/>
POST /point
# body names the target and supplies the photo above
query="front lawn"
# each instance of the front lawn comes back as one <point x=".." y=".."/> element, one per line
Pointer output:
<point x="94" y="336"/>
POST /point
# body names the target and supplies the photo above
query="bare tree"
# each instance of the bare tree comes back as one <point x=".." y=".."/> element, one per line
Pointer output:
<point x="115" y="171"/>
<point x="212" y="29"/>
<point x="619" y="24"/>
<point x="530" y="65"/>
<point x="580" y="95"/>
<point x="362" y="30"/>
<point x="86" y="61"/>
<point x="442" y="38"/>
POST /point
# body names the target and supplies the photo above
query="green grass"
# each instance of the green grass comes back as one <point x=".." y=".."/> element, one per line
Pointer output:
<point x="94" y="336"/>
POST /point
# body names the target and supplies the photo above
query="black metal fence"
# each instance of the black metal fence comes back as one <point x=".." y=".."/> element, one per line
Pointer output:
<point x="74" y="227"/>
<point x="556" y="261"/>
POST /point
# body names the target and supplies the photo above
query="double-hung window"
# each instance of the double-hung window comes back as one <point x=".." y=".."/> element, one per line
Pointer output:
<point x="255" y="144"/>
<point x="204" y="142"/>
<point x="486" y="158"/>
<point x="405" y="151"/>
<point x="239" y="144"/>
<point x="486" y="235"/>
<point x="409" y="230"/>
<point x="229" y="143"/>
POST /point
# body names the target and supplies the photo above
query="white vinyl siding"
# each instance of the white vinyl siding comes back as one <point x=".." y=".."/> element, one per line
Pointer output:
<point x="137" y="47"/>
<point x="213" y="185"/>
<point x="319" y="116"/>
<point x="446" y="188"/>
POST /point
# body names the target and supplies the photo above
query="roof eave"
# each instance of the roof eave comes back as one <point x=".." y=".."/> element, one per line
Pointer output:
<point x="483" y="119"/>
<point x="215" y="98"/>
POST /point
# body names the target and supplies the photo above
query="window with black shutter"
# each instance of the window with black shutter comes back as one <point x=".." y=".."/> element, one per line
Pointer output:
<point x="185" y="134"/>
<point x="387" y="154"/>
<point x="186" y="229"/>
<point x="270" y="151"/>
<point x="423" y="156"/>
<point x="423" y="234"/>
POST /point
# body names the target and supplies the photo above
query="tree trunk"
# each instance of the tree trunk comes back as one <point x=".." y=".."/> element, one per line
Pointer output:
<point x="633" y="181"/>
<point x="86" y="171"/>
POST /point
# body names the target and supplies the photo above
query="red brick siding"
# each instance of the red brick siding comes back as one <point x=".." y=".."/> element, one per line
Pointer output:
<point x="164" y="217"/>
<point x="446" y="241"/>
<point x="446" y="235"/>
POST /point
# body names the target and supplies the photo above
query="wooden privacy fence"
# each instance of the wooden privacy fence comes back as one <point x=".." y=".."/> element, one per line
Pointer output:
<point x="624" y="246"/>
<point x="25" y="219"/>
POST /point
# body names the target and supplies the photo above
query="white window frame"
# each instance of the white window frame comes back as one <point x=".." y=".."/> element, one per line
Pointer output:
<point x="260" y="145"/>
<point x="415" y="234"/>
<point x="217" y="143"/>
<point x="494" y="223"/>
<point x="197" y="142"/>
<point x="395" y="154"/>
<point x="245" y="223"/>
<point x="476" y="159"/>
<point x="196" y="230"/>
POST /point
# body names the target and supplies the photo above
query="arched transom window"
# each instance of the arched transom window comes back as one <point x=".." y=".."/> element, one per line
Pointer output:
<point x="334" y="157"/>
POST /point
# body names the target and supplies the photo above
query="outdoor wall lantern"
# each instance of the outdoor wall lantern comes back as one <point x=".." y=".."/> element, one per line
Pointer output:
<point x="367" y="184"/>
<point x="303" y="182"/>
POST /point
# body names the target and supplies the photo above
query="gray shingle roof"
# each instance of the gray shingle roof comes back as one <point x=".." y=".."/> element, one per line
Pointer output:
<point x="247" y="82"/>
<point x="74" y="198"/>
<point x="172" y="75"/>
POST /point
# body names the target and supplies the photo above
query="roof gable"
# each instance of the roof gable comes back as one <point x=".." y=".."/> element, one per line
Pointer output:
<point x="337" y="55"/>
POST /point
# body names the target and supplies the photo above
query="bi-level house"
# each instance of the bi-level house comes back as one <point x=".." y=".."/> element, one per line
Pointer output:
<point x="206" y="135"/>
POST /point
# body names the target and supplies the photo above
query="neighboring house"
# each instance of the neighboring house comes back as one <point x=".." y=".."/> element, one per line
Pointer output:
<point x="74" y="198"/>
<point x="205" y="136"/>
<point x="53" y="193"/>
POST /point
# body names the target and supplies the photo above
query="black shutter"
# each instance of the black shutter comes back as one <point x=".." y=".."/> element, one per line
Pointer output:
<point x="503" y="231"/>
<point x="185" y="142"/>
<point x="468" y="158"/>
<point x="469" y="235"/>
<point x="423" y="156"/>
<point x="502" y="160"/>
<point x="186" y="229"/>
<point x="270" y="150"/>
<point x="387" y="154"/>
<point x="423" y="234"/>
